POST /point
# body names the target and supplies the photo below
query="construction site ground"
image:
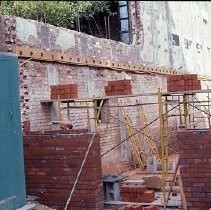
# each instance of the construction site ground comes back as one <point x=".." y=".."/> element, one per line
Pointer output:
<point x="174" y="201"/>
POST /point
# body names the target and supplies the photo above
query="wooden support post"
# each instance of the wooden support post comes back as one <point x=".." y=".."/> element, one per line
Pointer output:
<point x="163" y="141"/>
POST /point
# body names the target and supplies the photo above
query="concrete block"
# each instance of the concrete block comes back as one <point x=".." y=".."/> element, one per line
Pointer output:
<point x="135" y="182"/>
<point x="152" y="182"/>
<point x="152" y="164"/>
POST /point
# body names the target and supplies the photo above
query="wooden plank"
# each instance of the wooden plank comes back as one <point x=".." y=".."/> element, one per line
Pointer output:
<point x="125" y="96"/>
<point x="186" y="92"/>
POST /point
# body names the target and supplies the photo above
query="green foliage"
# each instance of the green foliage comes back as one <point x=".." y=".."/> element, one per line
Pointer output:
<point x="58" y="13"/>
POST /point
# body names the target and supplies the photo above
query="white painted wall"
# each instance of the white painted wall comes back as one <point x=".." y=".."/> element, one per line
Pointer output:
<point x="188" y="19"/>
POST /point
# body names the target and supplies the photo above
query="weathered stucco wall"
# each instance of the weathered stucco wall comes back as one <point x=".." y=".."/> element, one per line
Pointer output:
<point x="165" y="22"/>
<point x="45" y="36"/>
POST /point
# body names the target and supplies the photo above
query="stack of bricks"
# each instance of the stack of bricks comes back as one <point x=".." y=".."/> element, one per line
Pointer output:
<point x="138" y="207"/>
<point x="52" y="161"/>
<point x="137" y="193"/>
<point x="67" y="91"/>
<point x="195" y="168"/>
<point x="187" y="82"/>
<point x="118" y="87"/>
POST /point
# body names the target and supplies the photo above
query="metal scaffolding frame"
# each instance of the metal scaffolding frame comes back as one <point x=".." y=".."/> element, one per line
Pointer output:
<point x="184" y="103"/>
<point x="188" y="103"/>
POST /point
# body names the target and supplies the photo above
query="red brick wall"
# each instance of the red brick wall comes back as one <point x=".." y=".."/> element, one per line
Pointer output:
<point x="52" y="162"/>
<point x="135" y="193"/>
<point x="195" y="168"/>
<point x="183" y="82"/>
<point x="118" y="87"/>
<point x="36" y="78"/>
<point x="67" y="91"/>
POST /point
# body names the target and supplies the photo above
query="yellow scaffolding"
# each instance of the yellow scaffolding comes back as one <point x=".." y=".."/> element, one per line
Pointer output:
<point x="149" y="139"/>
<point x="163" y="116"/>
<point x="141" y="159"/>
<point x="187" y="102"/>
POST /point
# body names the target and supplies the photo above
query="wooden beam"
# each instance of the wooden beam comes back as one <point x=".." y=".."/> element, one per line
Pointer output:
<point x="69" y="58"/>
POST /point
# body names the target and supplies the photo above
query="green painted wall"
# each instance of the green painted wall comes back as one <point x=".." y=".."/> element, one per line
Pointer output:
<point x="12" y="180"/>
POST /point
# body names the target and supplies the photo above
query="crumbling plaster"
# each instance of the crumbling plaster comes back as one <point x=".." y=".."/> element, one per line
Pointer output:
<point x="188" y="20"/>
